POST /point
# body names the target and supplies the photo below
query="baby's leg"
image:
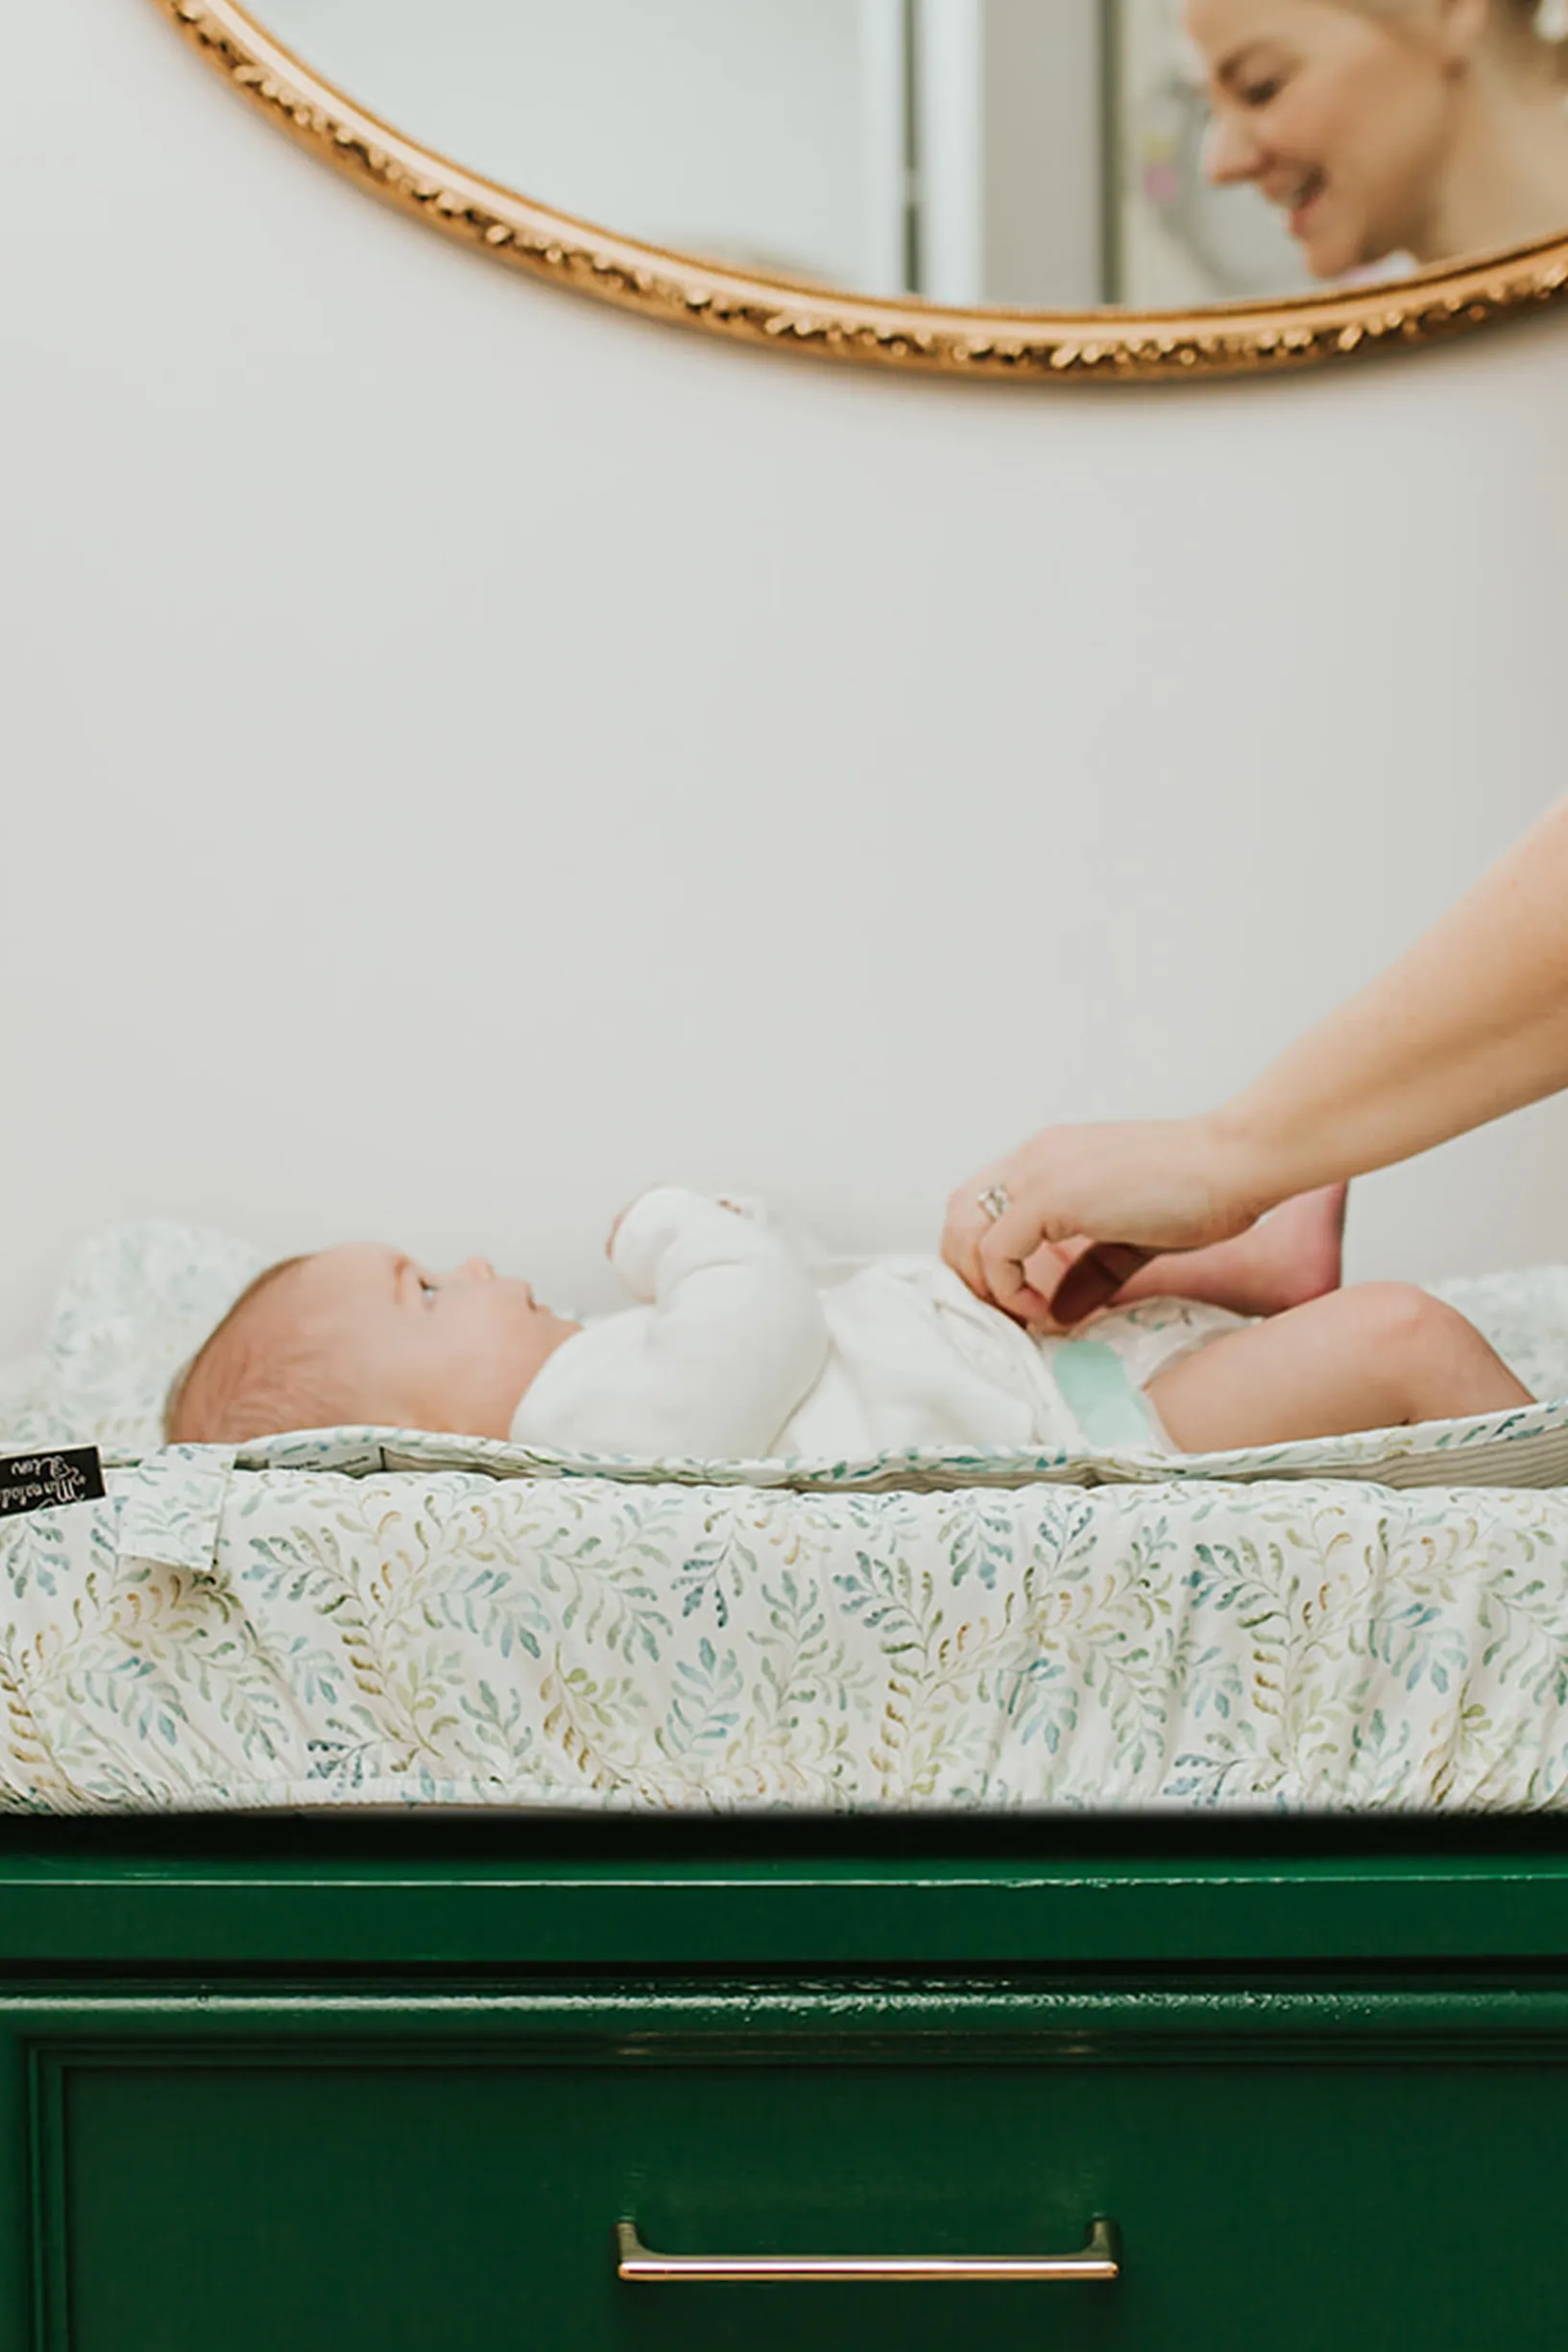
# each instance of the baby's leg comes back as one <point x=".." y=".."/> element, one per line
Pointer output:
<point x="1373" y="1357"/>
<point x="1291" y="1256"/>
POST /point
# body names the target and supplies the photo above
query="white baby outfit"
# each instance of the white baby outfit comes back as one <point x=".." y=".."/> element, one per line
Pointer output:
<point x="744" y="1346"/>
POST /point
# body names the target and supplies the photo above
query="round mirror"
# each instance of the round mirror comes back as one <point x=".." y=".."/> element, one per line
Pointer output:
<point x="1140" y="184"/>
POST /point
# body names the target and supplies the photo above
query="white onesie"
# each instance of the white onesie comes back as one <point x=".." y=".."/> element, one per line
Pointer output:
<point x="743" y="1348"/>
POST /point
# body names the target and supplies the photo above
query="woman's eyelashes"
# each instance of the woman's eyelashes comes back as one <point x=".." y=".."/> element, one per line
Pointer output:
<point x="1258" y="81"/>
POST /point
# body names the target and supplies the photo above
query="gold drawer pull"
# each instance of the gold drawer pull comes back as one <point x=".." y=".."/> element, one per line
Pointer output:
<point x="1099" y="2261"/>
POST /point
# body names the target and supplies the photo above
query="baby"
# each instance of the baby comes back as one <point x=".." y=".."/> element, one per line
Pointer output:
<point x="744" y="1345"/>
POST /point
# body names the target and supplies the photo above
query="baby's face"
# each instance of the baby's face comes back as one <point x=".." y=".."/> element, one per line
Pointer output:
<point x="444" y="1351"/>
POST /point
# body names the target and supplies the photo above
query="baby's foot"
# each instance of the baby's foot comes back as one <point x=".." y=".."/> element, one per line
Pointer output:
<point x="1296" y="1253"/>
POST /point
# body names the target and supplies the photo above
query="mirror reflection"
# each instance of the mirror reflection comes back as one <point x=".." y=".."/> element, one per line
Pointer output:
<point x="1049" y="154"/>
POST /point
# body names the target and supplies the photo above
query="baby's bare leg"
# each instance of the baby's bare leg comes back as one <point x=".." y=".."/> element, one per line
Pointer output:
<point x="1374" y="1357"/>
<point x="1294" y="1256"/>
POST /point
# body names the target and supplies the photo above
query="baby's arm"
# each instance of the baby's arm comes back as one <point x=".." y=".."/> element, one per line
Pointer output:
<point x="734" y="1339"/>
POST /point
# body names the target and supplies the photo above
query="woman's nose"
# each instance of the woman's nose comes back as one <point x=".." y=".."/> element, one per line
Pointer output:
<point x="1230" y="151"/>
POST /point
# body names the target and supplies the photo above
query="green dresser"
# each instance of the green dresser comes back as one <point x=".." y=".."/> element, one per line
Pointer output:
<point x="366" y="2094"/>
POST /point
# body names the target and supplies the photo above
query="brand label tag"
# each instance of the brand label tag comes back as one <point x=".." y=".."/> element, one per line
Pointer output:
<point x="42" y="1481"/>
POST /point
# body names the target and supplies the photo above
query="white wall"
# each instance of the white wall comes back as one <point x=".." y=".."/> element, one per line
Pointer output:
<point x="467" y="753"/>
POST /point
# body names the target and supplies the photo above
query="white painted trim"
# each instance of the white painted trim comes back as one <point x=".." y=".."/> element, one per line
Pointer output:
<point x="884" y="66"/>
<point x="949" y="148"/>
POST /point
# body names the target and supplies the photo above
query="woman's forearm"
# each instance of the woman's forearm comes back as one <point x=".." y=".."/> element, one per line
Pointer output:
<point x="1471" y="1022"/>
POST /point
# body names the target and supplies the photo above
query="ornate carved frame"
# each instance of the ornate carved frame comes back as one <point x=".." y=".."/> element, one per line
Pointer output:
<point x="1251" y="339"/>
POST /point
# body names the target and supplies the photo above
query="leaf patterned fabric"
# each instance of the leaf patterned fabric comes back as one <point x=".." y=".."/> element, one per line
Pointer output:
<point x="367" y="1618"/>
<point x="217" y="1637"/>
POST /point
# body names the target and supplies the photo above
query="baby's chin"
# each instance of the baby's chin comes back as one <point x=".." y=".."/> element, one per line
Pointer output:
<point x="547" y="1333"/>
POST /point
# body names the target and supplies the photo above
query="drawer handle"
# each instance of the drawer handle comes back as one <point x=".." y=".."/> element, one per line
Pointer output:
<point x="1099" y="2261"/>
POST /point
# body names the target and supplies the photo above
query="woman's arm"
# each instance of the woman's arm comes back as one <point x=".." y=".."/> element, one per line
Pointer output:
<point x="1469" y="1023"/>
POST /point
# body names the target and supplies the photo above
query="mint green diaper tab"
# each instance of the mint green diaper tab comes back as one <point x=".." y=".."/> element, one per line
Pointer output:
<point x="1098" y="1391"/>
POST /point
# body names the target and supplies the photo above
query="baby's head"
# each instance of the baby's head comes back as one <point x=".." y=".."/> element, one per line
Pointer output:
<point x="362" y="1334"/>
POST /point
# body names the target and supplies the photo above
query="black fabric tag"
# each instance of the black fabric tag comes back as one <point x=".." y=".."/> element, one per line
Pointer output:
<point x="38" y="1482"/>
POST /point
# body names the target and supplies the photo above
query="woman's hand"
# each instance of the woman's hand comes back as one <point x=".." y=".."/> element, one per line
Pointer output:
<point x="1085" y="1207"/>
<point x="1469" y="1023"/>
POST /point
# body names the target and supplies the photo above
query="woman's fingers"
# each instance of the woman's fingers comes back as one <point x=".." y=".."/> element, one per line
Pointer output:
<point x="1165" y="1183"/>
<point x="966" y="1227"/>
<point x="995" y="1257"/>
<point x="1095" y="1279"/>
<point x="1000" y="1276"/>
<point x="1004" y="1248"/>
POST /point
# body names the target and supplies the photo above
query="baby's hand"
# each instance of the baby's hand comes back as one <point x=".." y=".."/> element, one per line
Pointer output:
<point x="610" y="1238"/>
<point x="736" y="1208"/>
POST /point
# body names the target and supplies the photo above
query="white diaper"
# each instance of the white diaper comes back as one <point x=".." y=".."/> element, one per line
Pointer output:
<point x="1112" y="1412"/>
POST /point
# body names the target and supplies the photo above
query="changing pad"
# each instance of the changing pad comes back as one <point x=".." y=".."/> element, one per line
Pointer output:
<point x="220" y="1632"/>
<point x="369" y="1617"/>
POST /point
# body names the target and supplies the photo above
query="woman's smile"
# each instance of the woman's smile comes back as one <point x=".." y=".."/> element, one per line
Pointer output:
<point x="1408" y="127"/>
<point x="1295" y="193"/>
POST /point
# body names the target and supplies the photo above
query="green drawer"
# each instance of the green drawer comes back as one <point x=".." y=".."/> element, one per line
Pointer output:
<point x="247" y="2194"/>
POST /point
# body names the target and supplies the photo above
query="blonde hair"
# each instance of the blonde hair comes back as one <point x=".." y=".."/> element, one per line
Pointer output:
<point x="1539" y="22"/>
<point x="1536" y="28"/>
<point x="251" y="1377"/>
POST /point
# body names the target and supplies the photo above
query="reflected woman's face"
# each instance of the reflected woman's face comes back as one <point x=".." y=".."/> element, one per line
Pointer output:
<point x="1341" y="117"/>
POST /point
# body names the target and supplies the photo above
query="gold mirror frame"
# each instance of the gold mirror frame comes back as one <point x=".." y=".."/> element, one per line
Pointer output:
<point x="1071" y="346"/>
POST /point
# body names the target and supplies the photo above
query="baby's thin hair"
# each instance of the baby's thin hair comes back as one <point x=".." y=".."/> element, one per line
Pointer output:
<point x="239" y="1386"/>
